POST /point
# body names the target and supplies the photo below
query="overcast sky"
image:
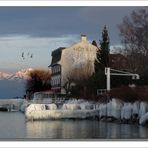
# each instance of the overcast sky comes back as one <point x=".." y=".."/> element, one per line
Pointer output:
<point x="39" y="30"/>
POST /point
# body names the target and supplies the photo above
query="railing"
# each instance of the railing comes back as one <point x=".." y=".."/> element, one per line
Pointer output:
<point x="101" y="91"/>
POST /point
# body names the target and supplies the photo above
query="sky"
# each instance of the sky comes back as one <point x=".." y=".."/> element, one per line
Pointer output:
<point x="40" y="30"/>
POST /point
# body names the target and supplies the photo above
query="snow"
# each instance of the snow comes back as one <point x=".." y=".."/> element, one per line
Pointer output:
<point x="41" y="111"/>
<point x="136" y="107"/>
<point x="143" y="119"/>
<point x="22" y="74"/>
<point x="61" y="114"/>
<point x="102" y="110"/>
<point x="109" y="108"/>
<point x="126" y="111"/>
<point x="143" y="108"/>
<point x="116" y="106"/>
<point x="71" y="107"/>
<point x="83" y="109"/>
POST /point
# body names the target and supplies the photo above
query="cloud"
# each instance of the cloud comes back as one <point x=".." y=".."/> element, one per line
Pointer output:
<point x="12" y="47"/>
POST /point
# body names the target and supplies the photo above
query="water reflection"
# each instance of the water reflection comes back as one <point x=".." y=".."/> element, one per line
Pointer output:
<point x="13" y="126"/>
<point x="85" y="129"/>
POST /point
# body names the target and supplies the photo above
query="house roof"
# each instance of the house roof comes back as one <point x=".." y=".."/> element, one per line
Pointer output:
<point x="56" y="56"/>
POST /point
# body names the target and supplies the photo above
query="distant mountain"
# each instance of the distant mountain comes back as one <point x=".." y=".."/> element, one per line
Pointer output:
<point x="13" y="85"/>
<point x="20" y="75"/>
<point x="4" y="76"/>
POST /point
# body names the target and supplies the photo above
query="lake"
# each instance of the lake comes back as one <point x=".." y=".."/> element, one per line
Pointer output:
<point x="13" y="126"/>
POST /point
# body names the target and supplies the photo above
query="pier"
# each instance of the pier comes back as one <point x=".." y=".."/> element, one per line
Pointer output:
<point x="10" y="104"/>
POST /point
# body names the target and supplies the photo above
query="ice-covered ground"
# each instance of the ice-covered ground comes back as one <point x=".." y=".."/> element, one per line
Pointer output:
<point x="115" y="109"/>
<point x="71" y="109"/>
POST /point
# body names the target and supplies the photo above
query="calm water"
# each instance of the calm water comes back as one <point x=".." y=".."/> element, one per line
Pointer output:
<point x="14" y="126"/>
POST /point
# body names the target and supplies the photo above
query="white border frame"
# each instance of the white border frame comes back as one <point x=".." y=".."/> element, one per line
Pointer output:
<point x="73" y="144"/>
<point x="72" y="3"/>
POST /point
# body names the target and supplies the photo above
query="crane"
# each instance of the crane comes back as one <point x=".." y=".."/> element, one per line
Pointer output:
<point x="108" y="73"/>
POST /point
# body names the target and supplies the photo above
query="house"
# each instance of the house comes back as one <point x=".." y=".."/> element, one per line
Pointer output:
<point x="72" y="63"/>
<point x="56" y="70"/>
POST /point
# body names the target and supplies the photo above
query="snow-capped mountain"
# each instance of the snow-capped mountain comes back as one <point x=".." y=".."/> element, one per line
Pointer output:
<point x="4" y="76"/>
<point x="20" y="75"/>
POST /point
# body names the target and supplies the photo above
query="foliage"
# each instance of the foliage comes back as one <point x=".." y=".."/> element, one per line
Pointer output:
<point x="39" y="81"/>
<point x="134" y="36"/>
<point x="103" y="54"/>
<point x="128" y="94"/>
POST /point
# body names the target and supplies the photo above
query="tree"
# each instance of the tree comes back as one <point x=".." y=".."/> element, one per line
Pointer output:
<point x="102" y="60"/>
<point x="134" y="36"/>
<point x="39" y="80"/>
<point x="103" y="54"/>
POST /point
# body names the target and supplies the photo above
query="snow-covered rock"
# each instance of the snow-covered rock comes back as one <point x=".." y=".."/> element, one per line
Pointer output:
<point x="71" y="107"/>
<point x="126" y="111"/>
<point x="42" y="111"/>
<point x="116" y="108"/>
<point x="109" y="109"/>
<point x="40" y="107"/>
<point x="136" y="107"/>
<point x="143" y="119"/>
<point x="51" y="106"/>
<point x="143" y="108"/>
<point x="102" y="110"/>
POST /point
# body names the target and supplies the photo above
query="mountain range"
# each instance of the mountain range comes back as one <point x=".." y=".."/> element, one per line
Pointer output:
<point x="20" y="75"/>
<point x="13" y="85"/>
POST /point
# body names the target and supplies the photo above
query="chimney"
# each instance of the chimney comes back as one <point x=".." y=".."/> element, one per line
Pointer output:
<point x="83" y="38"/>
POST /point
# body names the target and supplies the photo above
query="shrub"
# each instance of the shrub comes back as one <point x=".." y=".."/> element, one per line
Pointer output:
<point x="129" y="94"/>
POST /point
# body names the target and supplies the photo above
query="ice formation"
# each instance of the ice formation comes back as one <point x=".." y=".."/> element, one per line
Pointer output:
<point x="40" y="107"/>
<point x="126" y="111"/>
<point x="116" y="106"/>
<point x="143" y="108"/>
<point x="50" y="111"/>
<point x="136" y="107"/>
<point x="102" y="110"/>
<point x="143" y="119"/>
<point x="74" y="108"/>
<point x="77" y="61"/>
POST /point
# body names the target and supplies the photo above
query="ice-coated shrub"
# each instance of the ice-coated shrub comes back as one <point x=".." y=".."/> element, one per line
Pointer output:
<point x="102" y="110"/>
<point x="51" y="106"/>
<point x="126" y="111"/>
<point x="116" y="106"/>
<point x="143" y="108"/>
<point x="136" y="107"/>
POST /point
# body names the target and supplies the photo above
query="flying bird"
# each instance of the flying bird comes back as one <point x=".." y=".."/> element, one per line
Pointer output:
<point x="31" y="56"/>
<point x="23" y="56"/>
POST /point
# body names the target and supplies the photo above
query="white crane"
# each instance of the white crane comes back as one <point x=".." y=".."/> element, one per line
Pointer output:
<point x="108" y="73"/>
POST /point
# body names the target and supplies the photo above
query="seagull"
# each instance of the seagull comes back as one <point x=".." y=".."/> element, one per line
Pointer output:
<point x="31" y="56"/>
<point x="23" y="56"/>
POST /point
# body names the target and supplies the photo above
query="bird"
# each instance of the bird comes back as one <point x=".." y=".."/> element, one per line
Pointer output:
<point x="31" y="56"/>
<point x="23" y="56"/>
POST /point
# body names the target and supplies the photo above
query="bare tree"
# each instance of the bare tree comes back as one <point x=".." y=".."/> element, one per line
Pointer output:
<point x="39" y="80"/>
<point x="134" y="36"/>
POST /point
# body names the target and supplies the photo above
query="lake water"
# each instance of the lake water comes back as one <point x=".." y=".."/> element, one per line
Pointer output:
<point x="14" y="127"/>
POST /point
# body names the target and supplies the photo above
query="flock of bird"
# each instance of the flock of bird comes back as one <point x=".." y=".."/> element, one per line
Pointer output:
<point x="28" y="55"/>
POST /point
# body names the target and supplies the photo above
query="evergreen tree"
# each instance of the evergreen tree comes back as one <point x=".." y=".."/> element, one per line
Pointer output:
<point x="103" y="54"/>
<point x="102" y="60"/>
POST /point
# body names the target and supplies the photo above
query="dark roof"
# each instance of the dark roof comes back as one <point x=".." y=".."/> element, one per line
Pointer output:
<point x="56" y="55"/>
